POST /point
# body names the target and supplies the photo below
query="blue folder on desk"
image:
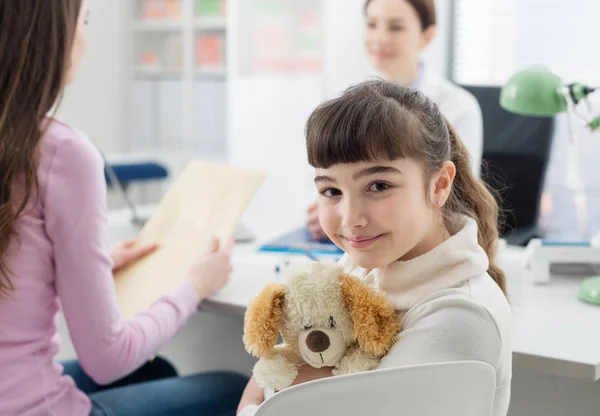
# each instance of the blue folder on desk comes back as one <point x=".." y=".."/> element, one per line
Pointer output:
<point x="300" y="242"/>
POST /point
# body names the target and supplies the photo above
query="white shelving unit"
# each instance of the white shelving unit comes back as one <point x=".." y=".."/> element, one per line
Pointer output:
<point x="177" y="76"/>
<point x="276" y="77"/>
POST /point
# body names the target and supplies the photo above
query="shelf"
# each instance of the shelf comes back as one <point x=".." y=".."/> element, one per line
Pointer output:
<point x="211" y="72"/>
<point x="211" y="23"/>
<point x="171" y="73"/>
<point x="157" y="26"/>
<point x="150" y="72"/>
<point x="200" y="23"/>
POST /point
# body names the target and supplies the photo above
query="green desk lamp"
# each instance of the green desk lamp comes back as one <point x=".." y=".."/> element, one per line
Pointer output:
<point x="536" y="91"/>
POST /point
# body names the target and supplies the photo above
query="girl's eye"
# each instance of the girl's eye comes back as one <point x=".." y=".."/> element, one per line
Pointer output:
<point x="378" y="187"/>
<point x="330" y="192"/>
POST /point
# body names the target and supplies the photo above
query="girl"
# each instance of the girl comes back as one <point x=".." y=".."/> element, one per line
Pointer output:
<point x="54" y="252"/>
<point x="398" y="195"/>
<point x="396" y="33"/>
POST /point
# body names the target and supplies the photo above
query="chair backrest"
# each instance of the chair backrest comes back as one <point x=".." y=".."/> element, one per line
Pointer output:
<point x="516" y="150"/>
<point x="451" y="389"/>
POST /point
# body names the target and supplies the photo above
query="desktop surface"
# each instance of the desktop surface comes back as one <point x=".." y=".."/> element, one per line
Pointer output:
<point x="554" y="332"/>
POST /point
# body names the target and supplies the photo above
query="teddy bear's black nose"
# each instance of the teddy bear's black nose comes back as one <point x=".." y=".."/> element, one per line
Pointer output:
<point x="317" y="341"/>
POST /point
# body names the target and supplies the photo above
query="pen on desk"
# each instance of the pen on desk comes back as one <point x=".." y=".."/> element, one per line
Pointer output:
<point x="310" y="255"/>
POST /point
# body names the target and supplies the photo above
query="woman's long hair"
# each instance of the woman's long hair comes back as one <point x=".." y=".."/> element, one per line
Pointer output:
<point x="36" y="37"/>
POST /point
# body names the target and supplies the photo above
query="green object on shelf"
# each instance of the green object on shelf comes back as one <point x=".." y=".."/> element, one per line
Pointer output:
<point x="595" y="124"/>
<point x="589" y="290"/>
<point x="534" y="91"/>
<point x="209" y="8"/>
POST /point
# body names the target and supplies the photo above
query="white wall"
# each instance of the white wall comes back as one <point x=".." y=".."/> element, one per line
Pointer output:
<point x="267" y="114"/>
<point x="96" y="101"/>
<point x="345" y="59"/>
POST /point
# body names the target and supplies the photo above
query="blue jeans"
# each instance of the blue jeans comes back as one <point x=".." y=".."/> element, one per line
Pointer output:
<point x="155" y="390"/>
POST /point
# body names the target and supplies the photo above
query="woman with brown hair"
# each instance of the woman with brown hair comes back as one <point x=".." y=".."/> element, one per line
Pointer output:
<point x="54" y="251"/>
<point x="398" y="196"/>
<point x="396" y="33"/>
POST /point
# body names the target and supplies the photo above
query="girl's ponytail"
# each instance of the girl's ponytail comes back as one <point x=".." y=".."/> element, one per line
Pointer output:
<point x="471" y="197"/>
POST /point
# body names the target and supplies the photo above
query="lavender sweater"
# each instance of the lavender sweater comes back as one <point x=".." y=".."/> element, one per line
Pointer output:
<point x="61" y="260"/>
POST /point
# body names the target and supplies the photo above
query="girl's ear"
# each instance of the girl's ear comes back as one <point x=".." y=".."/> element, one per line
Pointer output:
<point x="376" y="325"/>
<point x="262" y="318"/>
<point x="441" y="184"/>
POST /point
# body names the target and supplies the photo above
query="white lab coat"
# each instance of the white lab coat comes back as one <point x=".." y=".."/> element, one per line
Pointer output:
<point x="461" y="108"/>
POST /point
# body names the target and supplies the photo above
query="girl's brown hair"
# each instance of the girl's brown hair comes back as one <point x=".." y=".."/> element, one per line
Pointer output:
<point x="379" y="120"/>
<point x="424" y="8"/>
<point x="36" y="37"/>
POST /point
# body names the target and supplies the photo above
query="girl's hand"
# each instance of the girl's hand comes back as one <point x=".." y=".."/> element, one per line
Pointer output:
<point x="312" y="222"/>
<point x="308" y="373"/>
<point x="253" y="396"/>
<point x="127" y="253"/>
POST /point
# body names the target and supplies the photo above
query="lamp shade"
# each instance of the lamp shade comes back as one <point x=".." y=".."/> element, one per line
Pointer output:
<point x="533" y="91"/>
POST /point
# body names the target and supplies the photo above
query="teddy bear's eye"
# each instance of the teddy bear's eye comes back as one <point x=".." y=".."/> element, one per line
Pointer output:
<point x="307" y="327"/>
<point x="331" y="322"/>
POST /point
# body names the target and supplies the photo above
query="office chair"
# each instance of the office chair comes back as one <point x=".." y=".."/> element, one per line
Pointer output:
<point x="461" y="388"/>
<point x="516" y="150"/>
<point x="121" y="175"/>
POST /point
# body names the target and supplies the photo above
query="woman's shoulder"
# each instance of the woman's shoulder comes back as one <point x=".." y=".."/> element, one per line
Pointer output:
<point x="55" y="133"/>
<point x="448" y="95"/>
<point x="60" y="140"/>
<point x="65" y="151"/>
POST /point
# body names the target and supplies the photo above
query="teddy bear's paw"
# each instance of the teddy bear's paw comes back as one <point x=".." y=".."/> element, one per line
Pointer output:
<point x="355" y="363"/>
<point x="275" y="373"/>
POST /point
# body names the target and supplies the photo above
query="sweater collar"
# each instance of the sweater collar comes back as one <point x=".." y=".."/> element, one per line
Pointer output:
<point x="451" y="263"/>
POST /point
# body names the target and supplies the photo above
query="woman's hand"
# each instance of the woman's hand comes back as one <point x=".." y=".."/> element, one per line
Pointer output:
<point x="211" y="271"/>
<point x="312" y="222"/>
<point x="127" y="253"/>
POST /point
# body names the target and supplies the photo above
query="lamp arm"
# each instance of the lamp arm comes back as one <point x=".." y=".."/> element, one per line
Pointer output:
<point x="574" y="93"/>
<point x="579" y="91"/>
<point x="595" y="123"/>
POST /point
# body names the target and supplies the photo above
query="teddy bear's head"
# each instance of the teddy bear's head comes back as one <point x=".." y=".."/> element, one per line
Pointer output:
<point x="320" y="312"/>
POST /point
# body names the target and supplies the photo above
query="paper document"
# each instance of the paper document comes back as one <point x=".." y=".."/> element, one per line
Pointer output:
<point x="207" y="200"/>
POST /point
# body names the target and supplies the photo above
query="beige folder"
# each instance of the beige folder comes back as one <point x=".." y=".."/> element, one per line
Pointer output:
<point x="207" y="200"/>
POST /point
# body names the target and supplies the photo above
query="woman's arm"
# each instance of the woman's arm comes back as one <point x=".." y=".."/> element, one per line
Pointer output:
<point x="74" y="201"/>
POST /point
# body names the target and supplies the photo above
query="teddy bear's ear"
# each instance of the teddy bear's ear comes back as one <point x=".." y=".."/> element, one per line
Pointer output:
<point x="376" y="326"/>
<point x="261" y="322"/>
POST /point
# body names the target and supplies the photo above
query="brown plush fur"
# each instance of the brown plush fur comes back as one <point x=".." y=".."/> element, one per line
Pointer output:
<point x="376" y="324"/>
<point x="358" y="322"/>
<point x="262" y="320"/>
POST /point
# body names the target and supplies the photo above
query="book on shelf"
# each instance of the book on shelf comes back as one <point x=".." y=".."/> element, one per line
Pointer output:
<point x="161" y="9"/>
<point x="209" y="50"/>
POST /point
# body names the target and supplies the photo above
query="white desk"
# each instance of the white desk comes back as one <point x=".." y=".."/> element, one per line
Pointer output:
<point x="554" y="332"/>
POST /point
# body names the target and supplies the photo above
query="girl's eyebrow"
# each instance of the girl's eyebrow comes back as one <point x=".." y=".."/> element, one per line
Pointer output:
<point x="324" y="178"/>
<point x="376" y="170"/>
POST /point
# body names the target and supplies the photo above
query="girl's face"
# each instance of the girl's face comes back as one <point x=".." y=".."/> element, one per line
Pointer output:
<point x="79" y="42"/>
<point x="394" y="38"/>
<point x="380" y="212"/>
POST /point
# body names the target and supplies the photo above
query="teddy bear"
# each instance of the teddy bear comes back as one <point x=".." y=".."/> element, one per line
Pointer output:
<point x="325" y="318"/>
